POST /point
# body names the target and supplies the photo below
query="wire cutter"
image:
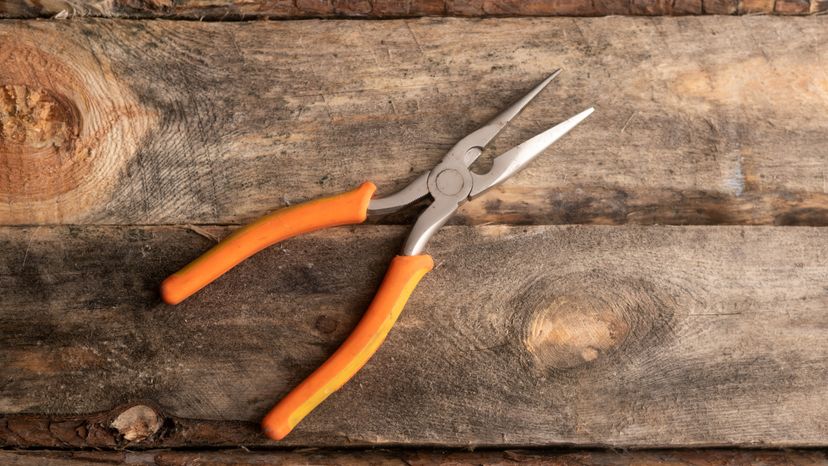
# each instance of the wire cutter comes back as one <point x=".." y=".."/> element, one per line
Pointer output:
<point x="450" y="184"/>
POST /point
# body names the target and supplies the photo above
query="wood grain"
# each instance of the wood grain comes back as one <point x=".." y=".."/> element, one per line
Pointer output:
<point x="699" y="120"/>
<point x="222" y="10"/>
<point x="536" y="335"/>
<point x="418" y="458"/>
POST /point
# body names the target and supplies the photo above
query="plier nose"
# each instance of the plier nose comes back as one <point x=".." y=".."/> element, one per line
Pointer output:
<point x="450" y="184"/>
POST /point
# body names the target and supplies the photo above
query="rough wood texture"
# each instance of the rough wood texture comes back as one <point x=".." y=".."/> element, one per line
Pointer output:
<point x="698" y="121"/>
<point x="635" y="336"/>
<point x="285" y="9"/>
<point x="419" y="457"/>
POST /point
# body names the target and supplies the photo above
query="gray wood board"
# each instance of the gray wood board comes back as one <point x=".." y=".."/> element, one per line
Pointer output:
<point x="378" y="457"/>
<point x="699" y="120"/>
<point x="536" y="335"/>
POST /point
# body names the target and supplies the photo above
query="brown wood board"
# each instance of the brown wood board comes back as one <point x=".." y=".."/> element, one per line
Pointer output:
<point x="417" y="458"/>
<point x="536" y="335"/>
<point x="293" y="9"/>
<point x="699" y="120"/>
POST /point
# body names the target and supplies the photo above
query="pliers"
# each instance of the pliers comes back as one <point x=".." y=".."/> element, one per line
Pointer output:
<point x="449" y="184"/>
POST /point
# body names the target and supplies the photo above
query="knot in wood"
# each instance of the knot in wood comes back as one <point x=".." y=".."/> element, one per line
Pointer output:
<point x="67" y="127"/>
<point x="585" y="319"/>
<point x="137" y="423"/>
<point x="575" y="330"/>
<point x="33" y="120"/>
<point x="38" y="133"/>
<point x="326" y="324"/>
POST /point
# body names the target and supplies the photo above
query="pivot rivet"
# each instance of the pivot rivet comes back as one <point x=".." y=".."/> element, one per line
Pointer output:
<point x="449" y="182"/>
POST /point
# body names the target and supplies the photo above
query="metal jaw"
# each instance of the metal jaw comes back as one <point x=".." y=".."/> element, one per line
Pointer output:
<point x="451" y="183"/>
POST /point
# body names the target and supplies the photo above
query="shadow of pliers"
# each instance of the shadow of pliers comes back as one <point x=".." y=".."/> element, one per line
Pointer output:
<point x="450" y="184"/>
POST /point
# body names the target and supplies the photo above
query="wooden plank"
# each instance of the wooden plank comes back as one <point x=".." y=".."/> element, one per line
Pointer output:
<point x="418" y="457"/>
<point x="698" y="121"/>
<point x="537" y="335"/>
<point x="261" y="9"/>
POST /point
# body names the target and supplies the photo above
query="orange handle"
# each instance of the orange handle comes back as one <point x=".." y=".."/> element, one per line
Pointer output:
<point x="402" y="277"/>
<point x="342" y="209"/>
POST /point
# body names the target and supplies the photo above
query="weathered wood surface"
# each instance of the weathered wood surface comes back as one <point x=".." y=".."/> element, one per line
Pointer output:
<point x="284" y="9"/>
<point x="537" y="335"/>
<point x="419" y="457"/>
<point x="712" y="120"/>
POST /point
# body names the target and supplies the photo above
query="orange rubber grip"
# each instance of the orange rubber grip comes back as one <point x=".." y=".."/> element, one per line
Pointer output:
<point x="402" y="277"/>
<point x="343" y="209"/>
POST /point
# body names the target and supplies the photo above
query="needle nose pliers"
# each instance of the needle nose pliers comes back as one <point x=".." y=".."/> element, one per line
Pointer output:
<point x="450" y="184"/>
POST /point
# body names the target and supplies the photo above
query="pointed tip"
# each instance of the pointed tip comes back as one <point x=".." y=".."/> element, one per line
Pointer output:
<point x="550" y="78"/>
<point x="481" y="137"/>
<point x="513" y="160"/>
<point x="579" y="117"/>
